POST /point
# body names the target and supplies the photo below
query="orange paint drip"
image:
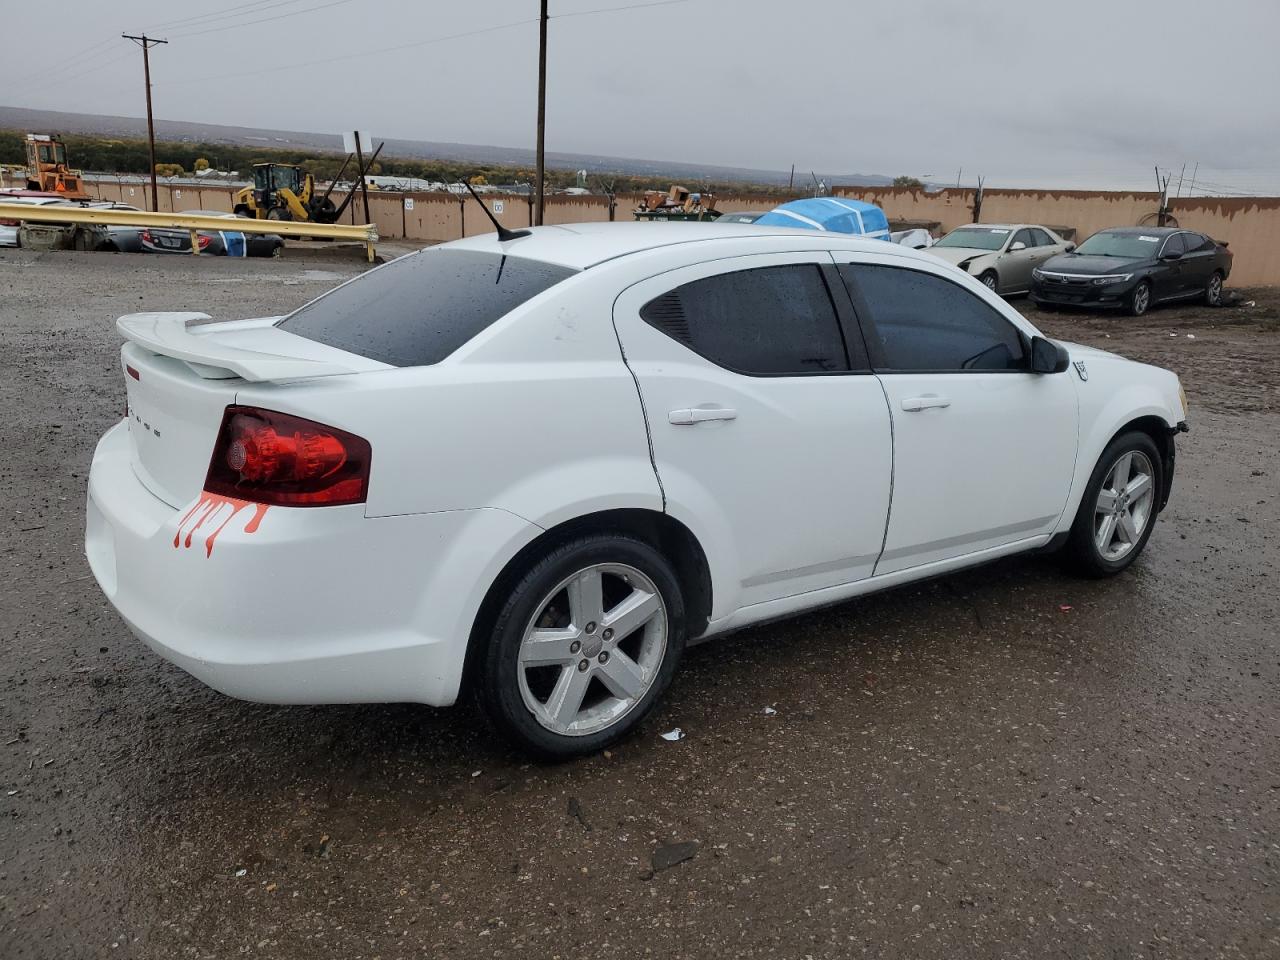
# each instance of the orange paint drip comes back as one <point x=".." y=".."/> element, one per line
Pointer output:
<point x="208" y="506"/>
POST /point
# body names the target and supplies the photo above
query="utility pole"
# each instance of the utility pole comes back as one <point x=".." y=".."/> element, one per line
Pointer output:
<point x="146" y="43"/>
<point x="542" y="111"/>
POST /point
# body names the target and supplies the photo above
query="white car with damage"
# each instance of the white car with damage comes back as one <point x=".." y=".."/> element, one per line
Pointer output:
<point x="536" y="466"/>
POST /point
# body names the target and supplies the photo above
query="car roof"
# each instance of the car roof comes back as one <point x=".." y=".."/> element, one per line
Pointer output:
<point x="1149" y="231"/>
<point x="999" y="226"/>
<point x="584" y="245"/>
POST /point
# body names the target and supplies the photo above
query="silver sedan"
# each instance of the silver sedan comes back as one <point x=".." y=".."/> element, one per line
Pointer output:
<point x="1001" y="255"/>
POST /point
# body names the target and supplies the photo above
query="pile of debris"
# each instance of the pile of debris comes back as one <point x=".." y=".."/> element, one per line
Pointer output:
<point x="677" y="204"/>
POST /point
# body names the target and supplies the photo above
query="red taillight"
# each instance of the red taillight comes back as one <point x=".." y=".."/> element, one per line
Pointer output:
<point x="276" y="458"/>
<point x="146" y="236"/>
<point x="133" y="372"/>
<point x="203" y="240"/>
<point x="10" y="223"/>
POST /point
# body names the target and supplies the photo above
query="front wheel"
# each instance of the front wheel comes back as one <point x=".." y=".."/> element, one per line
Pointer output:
<point x="990" y="281"/>
<point x="1119" y="507"/>
<point x="1213" y="290"/>
<point x="583" y="647"/>
<point x="1139" y="299"/>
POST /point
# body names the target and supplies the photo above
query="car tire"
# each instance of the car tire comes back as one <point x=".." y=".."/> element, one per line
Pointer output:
<point x="1101" y="544"/>
<point x="529" y="691"/>
<point x="991" y="281"/>
<point x="277" y="251"/>
<point x="279" y="213"/>
<point x="1213" y="290"/>
<point x="1139" y="300"/>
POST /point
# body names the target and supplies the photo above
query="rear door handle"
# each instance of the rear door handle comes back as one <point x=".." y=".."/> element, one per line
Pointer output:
<point x="690" y="415"/>
<point x="916" y="404"/>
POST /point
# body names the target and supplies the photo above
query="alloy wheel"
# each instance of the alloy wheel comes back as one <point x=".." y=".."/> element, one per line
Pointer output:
<point x="1124" y="506"/>
<point x="1214" y="293"/>
<point x="1141" y="299"/>
<point x="990" y="282"/>
<point x="593" y="649"/>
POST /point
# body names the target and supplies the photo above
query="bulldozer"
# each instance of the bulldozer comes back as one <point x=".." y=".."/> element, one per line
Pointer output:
<point x="47" y="168"/>
<point x="284" y="191"/>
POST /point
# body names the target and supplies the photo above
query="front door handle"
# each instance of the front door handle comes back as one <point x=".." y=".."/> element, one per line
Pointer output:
<point x="916" y="404"/>
<point x="690" y="415"/>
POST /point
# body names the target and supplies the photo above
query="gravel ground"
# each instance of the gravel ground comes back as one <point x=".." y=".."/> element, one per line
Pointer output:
<point x="1005" y="763"/>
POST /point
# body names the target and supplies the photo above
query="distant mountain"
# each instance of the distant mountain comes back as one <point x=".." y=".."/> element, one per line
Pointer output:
<point x="50" y="121"/>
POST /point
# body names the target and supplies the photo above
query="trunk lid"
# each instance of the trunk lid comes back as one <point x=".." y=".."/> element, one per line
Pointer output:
<point x="180" y="377"/>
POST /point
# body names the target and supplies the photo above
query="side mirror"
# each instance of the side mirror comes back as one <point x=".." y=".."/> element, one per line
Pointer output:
<point x="1016" y="246"/>
<point x="1047" y="356"/>
<point x="1071" y="248"/>
<point x="1171" y="256"/>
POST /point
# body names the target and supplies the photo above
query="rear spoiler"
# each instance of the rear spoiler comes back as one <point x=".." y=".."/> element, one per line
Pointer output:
<point x="170" y="335"/>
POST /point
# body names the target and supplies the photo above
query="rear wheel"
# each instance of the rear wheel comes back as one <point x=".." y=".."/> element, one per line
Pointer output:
<point x="1213" y="290"/>
<point x="583" y="647"/>
<point x="1119" y="507"/>
<point x="1139" y="301"/>
<point x="279" y="213"/>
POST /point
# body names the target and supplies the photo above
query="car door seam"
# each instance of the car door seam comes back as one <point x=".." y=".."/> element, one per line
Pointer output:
<point x="893" y="465"/>
<point x="644" y="410"/>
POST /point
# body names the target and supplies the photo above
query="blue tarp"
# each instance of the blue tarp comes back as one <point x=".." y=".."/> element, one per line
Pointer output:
<point x="833" y="214"/>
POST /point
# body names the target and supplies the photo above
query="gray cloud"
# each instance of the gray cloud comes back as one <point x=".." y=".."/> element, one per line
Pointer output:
<point x="1079" y="93"/>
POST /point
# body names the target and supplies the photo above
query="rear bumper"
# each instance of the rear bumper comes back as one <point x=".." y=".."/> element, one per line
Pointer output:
<point x="319" y="605"/>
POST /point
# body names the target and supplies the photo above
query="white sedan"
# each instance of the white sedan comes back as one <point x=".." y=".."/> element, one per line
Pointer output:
<point x="538" y="467"/>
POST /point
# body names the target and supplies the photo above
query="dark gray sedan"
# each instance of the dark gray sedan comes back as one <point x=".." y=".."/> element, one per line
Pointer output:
<point x="1133" y="268"/>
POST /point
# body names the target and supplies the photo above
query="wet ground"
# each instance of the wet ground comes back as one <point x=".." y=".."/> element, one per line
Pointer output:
<point x="1006" y="763"/>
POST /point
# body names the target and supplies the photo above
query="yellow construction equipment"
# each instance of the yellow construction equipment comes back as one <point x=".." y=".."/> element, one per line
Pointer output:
<point x="47" y="168"/>
<point x="284" y="191"/>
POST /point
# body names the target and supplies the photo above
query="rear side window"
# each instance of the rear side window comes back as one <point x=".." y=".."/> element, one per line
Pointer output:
<point x="927" y="323"/>
<point x="1042" y="239"/>
<point x="419" y="309"/>
<point x="770" y="321"/>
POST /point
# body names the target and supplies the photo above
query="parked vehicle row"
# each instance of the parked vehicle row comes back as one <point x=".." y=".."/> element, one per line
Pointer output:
<point x="1127" y="268"/>
<point x="121" y="238"/>
<point x="688" y="428"/>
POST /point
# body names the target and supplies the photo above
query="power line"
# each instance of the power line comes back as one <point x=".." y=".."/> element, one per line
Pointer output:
<point x="258" y="6"/>
<point x="249" y="23"/>
<point x="355" y="56"/>
<point x="630" y="6"/>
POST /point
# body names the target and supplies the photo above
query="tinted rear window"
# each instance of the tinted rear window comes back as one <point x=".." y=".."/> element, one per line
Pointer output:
<point x="419" y="309"/>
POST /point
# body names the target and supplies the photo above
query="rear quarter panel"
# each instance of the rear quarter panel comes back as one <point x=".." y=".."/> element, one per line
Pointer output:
<point x="537" y="415"/>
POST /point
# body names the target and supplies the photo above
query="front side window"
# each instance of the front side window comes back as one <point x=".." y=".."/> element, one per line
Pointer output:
<point x="1023" y="237"/>
<point x="1172" y="245"/>
<point x="420" y="308"/>
<point x="927" y="323"/>
<point x="769" y="321"/>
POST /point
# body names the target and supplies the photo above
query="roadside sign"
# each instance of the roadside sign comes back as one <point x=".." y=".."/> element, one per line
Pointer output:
<point x="349" y="140"/>
<point x="497" y="206"/>
<point x="408" y="203"/>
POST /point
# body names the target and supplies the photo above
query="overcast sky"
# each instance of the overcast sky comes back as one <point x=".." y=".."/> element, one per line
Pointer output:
<point x="1069" y="93"/>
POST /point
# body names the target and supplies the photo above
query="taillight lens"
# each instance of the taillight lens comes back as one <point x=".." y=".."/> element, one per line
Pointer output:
<point x="276" y="458"/>
<point x="203" y="240"/>
<point x="146" y="236"/>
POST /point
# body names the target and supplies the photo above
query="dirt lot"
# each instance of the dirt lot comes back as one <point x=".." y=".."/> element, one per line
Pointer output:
<point x="1005" y="763"/>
